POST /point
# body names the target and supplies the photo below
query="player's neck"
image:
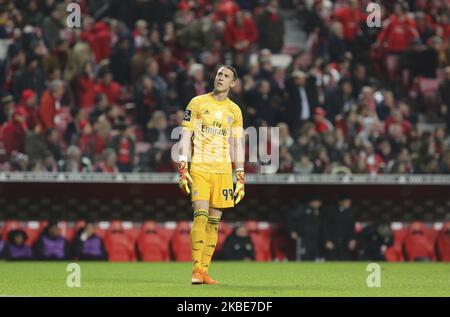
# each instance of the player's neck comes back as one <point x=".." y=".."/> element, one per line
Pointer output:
<point x="219" y="96"/>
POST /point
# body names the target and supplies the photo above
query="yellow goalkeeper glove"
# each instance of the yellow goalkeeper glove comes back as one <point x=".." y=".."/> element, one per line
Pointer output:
<point x="185" y="179"/>
<point x="239" y="190"/>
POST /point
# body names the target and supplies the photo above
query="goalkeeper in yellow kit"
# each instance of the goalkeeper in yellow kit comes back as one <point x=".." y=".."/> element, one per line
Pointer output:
<point x="213" y="135"/>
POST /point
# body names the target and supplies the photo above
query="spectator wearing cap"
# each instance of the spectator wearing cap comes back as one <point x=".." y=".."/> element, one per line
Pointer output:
<point x="16" y="249"/>
<point x="15" y="131"/>
<point x="339" y="230"/>
<point x="28" y="104"/>
<point x="50" y="103"/>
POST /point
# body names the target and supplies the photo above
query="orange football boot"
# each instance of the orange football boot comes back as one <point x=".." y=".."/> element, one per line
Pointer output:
<point x="208" y="279"/>
<point x="197" y="277"/>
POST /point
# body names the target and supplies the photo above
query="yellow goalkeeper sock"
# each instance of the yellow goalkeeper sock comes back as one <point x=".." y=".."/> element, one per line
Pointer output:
<point x="198" y="236"/>
<point x="212" y="233"/>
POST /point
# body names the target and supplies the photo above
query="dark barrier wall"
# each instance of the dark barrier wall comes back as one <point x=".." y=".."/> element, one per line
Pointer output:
<point x="29" y="198"/>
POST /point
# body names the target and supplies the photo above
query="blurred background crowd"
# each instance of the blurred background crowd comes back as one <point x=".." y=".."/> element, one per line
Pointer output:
<point x="105" y="97"/>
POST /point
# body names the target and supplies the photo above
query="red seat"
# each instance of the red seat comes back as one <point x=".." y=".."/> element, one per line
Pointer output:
<point x="443" y="243"/>
<point x="34" y="230"/>
<point x="395" y="252"/>
<point x="101" y="228"/>
<point x="11" y="225"/>
<point x="181" y="242"/>
<point x="118" y="245"/>
<point x="224" y="232"/>
<point x="131" y="230"/>
<point x="417" y="245"/>
<point x="282" y="245"/>
<point x="152" y="246"/>
<point x="261" y="240"/>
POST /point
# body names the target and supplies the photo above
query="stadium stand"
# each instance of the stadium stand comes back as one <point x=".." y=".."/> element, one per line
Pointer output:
<point x="62" y="110"/>
<point x="104" y="98"/>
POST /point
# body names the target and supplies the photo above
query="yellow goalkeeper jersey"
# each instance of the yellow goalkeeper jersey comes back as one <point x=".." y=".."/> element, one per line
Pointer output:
<point x="213" y="124"/>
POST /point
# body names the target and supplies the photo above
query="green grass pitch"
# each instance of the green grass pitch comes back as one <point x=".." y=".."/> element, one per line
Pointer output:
<point x="243" y="279"/>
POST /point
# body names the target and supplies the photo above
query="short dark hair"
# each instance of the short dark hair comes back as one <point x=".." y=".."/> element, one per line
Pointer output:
<point x="235" y="74"/>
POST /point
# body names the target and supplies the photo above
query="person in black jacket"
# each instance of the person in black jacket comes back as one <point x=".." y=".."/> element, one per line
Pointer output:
<point x="238" y="246"/>
<point x="305" y="225"/>
<point x="340" y="237"/>
<point x="303" y="99"/>
<point x="373" y="241"/>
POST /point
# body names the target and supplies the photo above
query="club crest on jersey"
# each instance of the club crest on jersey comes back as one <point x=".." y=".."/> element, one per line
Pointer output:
<point x="230" y="120"/>
<point x="187" y="115"/>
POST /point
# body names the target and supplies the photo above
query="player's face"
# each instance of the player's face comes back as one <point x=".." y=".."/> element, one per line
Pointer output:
<point x="224" y="80"/>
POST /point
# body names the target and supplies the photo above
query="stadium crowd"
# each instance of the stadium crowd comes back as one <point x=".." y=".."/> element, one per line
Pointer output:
<point x="106" y="96"/>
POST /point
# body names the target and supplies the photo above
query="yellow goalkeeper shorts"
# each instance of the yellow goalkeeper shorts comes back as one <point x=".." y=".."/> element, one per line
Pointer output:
<point x="215" y="188"/>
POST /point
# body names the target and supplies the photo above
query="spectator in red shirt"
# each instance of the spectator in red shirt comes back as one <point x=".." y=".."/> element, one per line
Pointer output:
<point x="396" y="117"/>
<point x="351" y="18"/>
<point x="50" y="103"/>
<point x="90" y="143"/>
<point x="107" y="86"/>
<point x="398" y="33"/>
<point x="85" y="87"/>
<point x="98" y="36"/>
<point x="14" y="132"/>
<point x="396" y="37"/>
<point x="241" y="32"/>
<point x="124" y="145"/>
<point x="28" y="104"/>
<point x="321" y="122"/>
